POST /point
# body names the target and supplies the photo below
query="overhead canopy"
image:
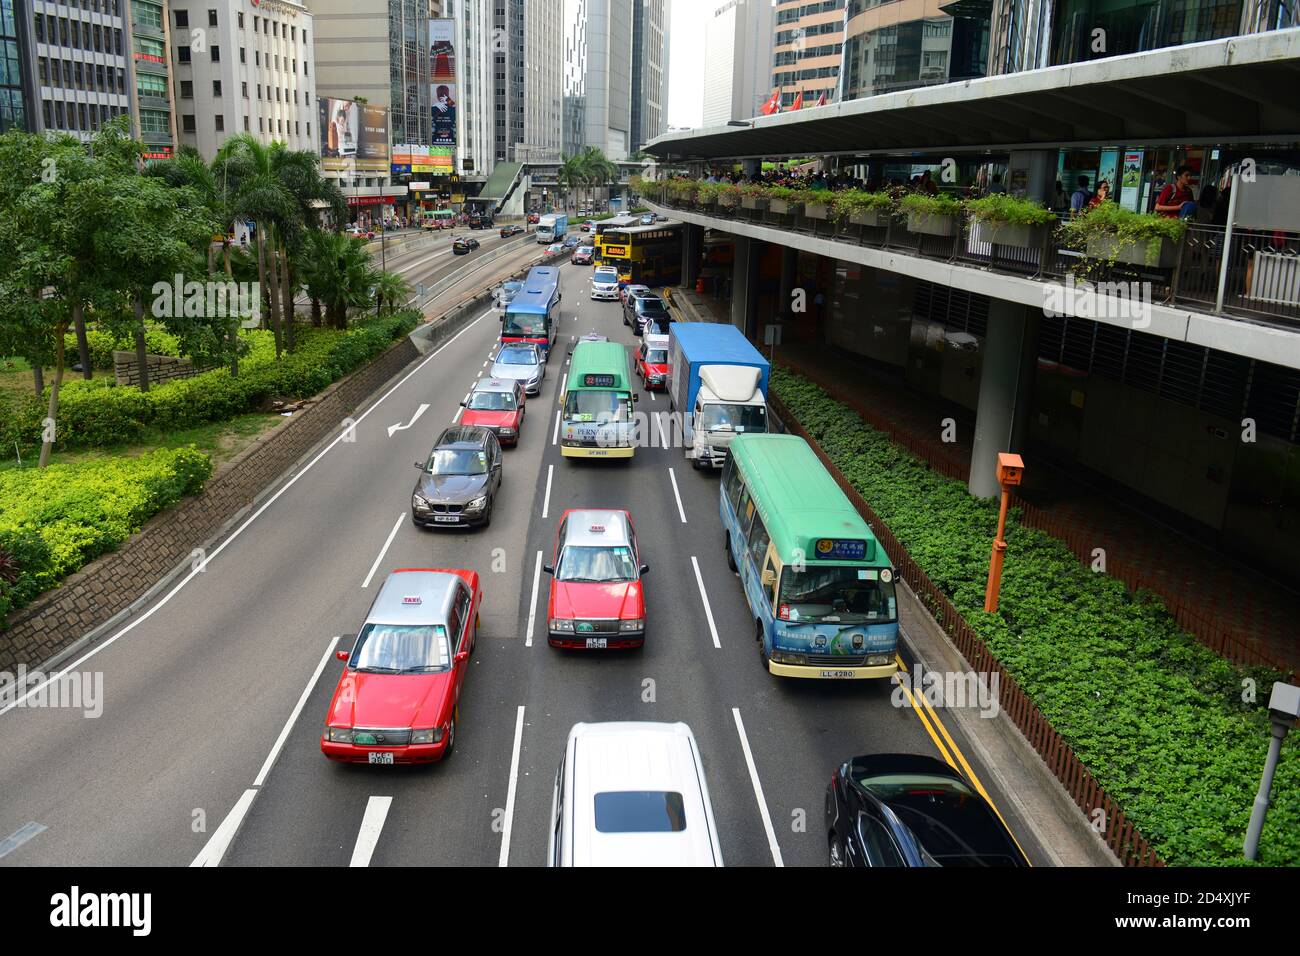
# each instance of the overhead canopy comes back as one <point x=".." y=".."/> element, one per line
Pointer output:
<point x="1243" y="88"/>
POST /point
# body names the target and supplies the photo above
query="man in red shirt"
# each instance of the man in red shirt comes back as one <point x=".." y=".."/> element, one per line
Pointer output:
<point x="1171" y="199"/>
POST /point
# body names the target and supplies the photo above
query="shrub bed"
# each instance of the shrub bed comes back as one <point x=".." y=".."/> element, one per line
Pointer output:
<point x="1165" y="725"/>
<point x="55" y="520"/>
<point x="100" y="413"/>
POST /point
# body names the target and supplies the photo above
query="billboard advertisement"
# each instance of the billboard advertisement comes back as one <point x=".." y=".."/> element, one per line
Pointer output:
<point x="414" y="160"/>
<point x="352" y="135"/>
<point x="442" y="80"/>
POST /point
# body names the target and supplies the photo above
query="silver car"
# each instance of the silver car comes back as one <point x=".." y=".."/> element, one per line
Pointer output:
<point x="604" y="283"/>
<point x="521" y="362"/>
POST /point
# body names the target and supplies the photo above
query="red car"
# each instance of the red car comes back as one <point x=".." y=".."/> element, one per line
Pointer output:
<point x="397" y="700"/>
<point x="534" y="218"/>
<point x="497" y="405"/>
<point x="597" y="601"/>
<point x="652" y="362"/>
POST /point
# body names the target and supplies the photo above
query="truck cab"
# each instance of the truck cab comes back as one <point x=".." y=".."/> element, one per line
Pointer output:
<point x="729" y="402"/>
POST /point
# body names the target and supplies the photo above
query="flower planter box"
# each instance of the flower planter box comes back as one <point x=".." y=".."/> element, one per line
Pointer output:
<point x="931" y="225"/>
<point x="1010" y="234"/>
<point x="728" y="202"/>
<point x="757" y="203"/>
<point x="706" y="200"/>
<point x="817" y="210"/>
<point x="785" y="207"/>
<point x="1109" y="249"/>
<point x="878" y="218"/>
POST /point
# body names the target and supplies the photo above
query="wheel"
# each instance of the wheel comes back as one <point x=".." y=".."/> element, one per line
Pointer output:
<point x="837" y="854"/>
<point x="762" y="651"/>
<point x="451" y="733"/>
<point x="731" y="558"/>
<point x="487" y="521"/>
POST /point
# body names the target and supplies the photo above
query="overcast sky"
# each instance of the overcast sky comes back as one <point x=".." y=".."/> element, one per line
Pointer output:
<point x="686" y="63"/>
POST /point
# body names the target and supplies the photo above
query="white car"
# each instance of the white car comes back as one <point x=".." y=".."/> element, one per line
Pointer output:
<point x="604" y="284"/>
<point x="521" y="362"/>
<point x="632" y="794"/>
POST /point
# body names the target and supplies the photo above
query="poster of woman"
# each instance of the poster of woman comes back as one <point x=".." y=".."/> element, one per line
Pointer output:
<point x="444" y="114"/>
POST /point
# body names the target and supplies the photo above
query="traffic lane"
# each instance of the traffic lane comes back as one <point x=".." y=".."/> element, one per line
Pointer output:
<point x="461" y="793"/>
<point x="266" y="601"/>
<point x="437" y="260"/>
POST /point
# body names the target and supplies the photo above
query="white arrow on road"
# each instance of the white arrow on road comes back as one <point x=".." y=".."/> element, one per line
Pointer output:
<point x="401" y="428"/>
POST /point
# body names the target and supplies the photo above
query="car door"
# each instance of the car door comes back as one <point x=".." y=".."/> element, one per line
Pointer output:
<point x="494" y="457"/>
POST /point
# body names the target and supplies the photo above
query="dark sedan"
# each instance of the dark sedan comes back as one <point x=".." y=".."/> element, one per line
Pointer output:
<point x="458" y="484"/>
<point x="647" y="311"/>
<point x="463" y="246"/>
<point x="513" y="229"/>
<point x="912" y="810"/>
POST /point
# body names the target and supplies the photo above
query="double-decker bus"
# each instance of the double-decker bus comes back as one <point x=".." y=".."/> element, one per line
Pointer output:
<point x="818" y="582"/>
<point x="597" y="419"/>
<point x="605" y="225"/>
<point x="533" y="315"/>
<point x="648" y="255"/>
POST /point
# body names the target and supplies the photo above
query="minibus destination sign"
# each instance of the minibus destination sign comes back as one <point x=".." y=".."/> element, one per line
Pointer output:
<point x="841" y="549"/>
<point x="593" y="380"/>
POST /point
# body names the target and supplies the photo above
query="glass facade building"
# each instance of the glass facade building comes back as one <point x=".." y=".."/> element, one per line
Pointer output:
<point x="13" y="96"/>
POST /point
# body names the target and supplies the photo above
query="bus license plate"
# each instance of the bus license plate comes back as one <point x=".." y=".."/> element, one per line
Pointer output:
<point x="838" y="675"/>
<point x="598" y="452"/>
<point x="597" y="643"/>
<point x="384" y="758"/>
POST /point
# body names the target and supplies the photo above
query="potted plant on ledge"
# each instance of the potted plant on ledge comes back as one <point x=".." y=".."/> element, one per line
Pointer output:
<point x="728" y="195"/>
<point x="1009" y="221"/>
<point x="862" y="208"/>
<point x="1111" y="233"/>
<point x="930" y="215"/>
<point x="753" y="196"/>
<point x="788" y="200"/>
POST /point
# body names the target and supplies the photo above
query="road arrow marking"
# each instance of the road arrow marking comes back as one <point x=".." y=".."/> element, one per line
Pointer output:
<point x="401" y="428"/>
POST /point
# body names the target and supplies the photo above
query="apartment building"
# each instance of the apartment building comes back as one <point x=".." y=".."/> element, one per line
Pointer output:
<point x="807" y="50"/>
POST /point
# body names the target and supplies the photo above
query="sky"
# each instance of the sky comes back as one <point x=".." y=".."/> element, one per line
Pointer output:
<point x="686" y="63"/>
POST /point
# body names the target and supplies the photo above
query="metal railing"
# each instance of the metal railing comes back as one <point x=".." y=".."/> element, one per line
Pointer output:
<point x="1261" y="281"/>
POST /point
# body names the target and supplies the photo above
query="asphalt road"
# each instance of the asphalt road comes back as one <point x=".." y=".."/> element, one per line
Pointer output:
<point x="208" y="747"/>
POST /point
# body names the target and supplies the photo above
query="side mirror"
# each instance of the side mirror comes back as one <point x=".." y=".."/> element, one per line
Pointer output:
<point x="769" y="578"/>
<point x="463" y="404"/>
<point x="548" y="568"/>
<point x="645" y="569"/>
<point x="461" y="657"/>
<point x="342" y="655"/>
<point x="636" y="397"/>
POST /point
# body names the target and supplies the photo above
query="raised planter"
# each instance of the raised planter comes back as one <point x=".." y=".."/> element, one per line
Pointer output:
<point x="817" y="210"/>
<point x="1109" y="249"/>
<point x="757" y="203"/>
<point x="878" y="218"/>
<point x="728" y="202"/>
<point x="1010" y="234"/>
<point x="785" y="207"/>
<point x="931" y="225"/>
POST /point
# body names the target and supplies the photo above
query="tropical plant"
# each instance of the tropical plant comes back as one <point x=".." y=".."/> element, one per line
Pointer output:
<point x="850" y="202"/>
<point x="923" y="204"/>
<point x="1003" y="208"/>
<point x="1127" y="228"/>
<point x="391" y="290"/>
<point x="337" y="271"/>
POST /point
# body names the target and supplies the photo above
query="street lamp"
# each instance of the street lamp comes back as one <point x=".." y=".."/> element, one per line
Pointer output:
<point x="1010" y="472"/>
<point x="1283" y="709"/>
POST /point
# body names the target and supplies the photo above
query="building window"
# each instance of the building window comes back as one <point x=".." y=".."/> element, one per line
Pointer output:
<point x="242" y="56"/>
<point x="239" y="19"/>
<point x="182" y="19"/>
<point x="212" y="18"/>
<point x="183" y="54"/>
<point x="216" y="54"/>
<point x="220" y="122"/>
<point x="187" y="122"/>
<point x="216" y="87"/>
<point x="187" y="89"/>
<point x="243" y="88"/>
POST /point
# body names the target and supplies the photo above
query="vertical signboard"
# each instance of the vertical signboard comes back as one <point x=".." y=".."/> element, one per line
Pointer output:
<point x="352" y="135"/>
<point x="442" y="80"/>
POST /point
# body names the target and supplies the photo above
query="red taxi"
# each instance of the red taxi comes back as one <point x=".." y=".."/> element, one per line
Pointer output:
<point x="597" y="601"/>
<point x="652" y="362"/>
<point x="397" y="700"/>
<point x="497" y="405"/>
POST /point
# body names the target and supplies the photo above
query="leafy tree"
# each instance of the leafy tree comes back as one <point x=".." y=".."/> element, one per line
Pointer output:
<point x="337" y="271"/>
<point x="391" y="290"/>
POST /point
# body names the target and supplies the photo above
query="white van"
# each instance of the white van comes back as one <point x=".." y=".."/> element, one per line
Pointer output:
<point x="632" y="794"/>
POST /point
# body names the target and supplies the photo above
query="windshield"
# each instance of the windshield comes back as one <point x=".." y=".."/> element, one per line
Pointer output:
<point x="456" y="461"/>
<point x="492" y="402"/>
<point x="656" y="356"/>
<point x="594" y="565"/>
<point x="836" y="595"/>
<point x="734" y="418"/>
<point x="519" y="357"/>
<point x="602" y="275"/>
<point x="651" y="307"/>
<point x="524" y="323"/>
<point x="402" y="649"/>
<point x="597" y="406"/>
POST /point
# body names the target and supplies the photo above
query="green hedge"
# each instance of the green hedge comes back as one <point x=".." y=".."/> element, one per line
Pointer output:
<point x="1158" y="718"/>
<point x="99" y="413"/>
<point x="103" y="345"/>
<point x="55" y="520"/>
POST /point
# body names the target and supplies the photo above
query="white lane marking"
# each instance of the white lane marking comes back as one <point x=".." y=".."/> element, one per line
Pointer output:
<point x="219" y="842"/>
<point x="546" y="504"/>
<point x="532" y="604"/>
<point x="652" y="397"/>
<point x="485" y="364"/>
<point x="758" y="789"/>
<point x="663" y="438"/>
<point x="392" y="429"/>
<point x="564" y="386"/>
<point x="137" y="621"/>
<point x="504" y="859"/>
<point x="704" y="596"/>
<point x="372" y="824"/>
<point x="678" y="495"/>
<point x="20" y="836"/>
<point x="555" y="433"/>
<point x="383" y="551"/>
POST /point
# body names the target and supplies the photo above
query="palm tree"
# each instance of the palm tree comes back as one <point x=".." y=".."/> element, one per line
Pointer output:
<point x="336" y="270"/>
<point x="570" y="176"/>
<point x="391" y="290"/>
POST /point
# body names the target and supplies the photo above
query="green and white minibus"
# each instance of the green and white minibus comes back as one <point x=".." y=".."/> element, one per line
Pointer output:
<point x="597" y="421"/>
<point x="819" y="584"/>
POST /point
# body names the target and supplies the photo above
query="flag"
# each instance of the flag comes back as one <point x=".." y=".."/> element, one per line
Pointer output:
<point x="798" y="102"/>
<point x="821" y="100"/>
<point x="773" y="104"/>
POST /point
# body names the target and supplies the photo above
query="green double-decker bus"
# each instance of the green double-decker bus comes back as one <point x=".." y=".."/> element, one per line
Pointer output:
<point x="818" y="582"/>
<point x="597" y="421"/>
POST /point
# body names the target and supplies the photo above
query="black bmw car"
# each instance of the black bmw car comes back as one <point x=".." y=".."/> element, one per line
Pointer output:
<point x="912" y="810"/>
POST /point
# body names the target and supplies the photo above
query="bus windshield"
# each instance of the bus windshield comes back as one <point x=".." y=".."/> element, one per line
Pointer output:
<point x="734" y="418"/>
<point x="596" y="406"/>
<point x="524" y="323"/>
<point x="836" y="595"/>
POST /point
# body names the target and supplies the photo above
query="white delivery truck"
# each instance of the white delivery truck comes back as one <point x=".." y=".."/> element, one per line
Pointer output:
<point x="717" y="383"/>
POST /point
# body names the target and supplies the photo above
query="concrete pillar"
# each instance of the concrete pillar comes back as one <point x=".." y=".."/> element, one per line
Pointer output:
<point x="744" y="285"/>
<point x="692" y="250"/>
<point x="789" y="272"/>
<point x="1004" y="398"/>
<point x="751" y="166"/>
<point x="1031" y="173"/>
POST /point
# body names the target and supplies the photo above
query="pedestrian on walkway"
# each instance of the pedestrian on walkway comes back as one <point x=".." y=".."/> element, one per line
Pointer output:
<point x="1080" y="198"/>
<point x="1176" y="199"/>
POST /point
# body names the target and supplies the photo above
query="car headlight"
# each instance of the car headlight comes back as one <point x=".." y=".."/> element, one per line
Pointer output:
<point x="561" y="624"/>
<point x="508" y="432"/>
<point x="478" y="504"/>
<point x="786" y="657"/>
<point x="632" y="624"/>
<point x="339" y="735"/>
<point x="878" y="660"/>
<point x="419" y="502"/>
<point x="432" y="735"/>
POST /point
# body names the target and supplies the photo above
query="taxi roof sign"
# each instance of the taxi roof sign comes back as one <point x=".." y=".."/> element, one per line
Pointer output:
<point x="412" y="599"/>
<point x="597" y="529"/>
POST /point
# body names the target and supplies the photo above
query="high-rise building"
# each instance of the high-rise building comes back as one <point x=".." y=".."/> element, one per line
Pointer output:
<point x="244" y="69"/>
<point x="737" y="60"/>
<point x="475" y="109"/>
<point x="153" y="120"/>
<point x="16" y="90"/>
<point x="807" y="51"/>
<point x="528" y="75"/>
<point x="651" y="22"/>
<point x="598" y="76"/>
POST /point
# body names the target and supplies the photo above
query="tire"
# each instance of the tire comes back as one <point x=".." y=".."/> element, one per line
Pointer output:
<point x="835" y="848"/>
<point x="731" y="558"/>
<point x="451" y="733"/>
<point x="762" y="651"/>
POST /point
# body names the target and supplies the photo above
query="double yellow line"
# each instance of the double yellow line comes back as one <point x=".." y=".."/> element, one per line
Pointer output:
<point x="948" y="747"/>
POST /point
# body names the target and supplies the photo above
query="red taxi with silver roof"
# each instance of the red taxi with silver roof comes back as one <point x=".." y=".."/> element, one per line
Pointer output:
<point x="597" y="601"/>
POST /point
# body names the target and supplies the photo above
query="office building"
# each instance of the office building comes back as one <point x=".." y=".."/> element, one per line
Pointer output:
<point x="528" y="80"/>
<point x="598" y="76"/>
<point x="737" y="60"/>
<point x="808" y="50"/>
<point x="651" y="28"/>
